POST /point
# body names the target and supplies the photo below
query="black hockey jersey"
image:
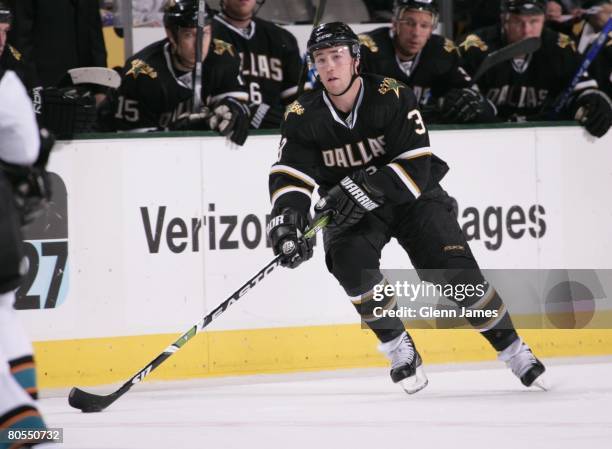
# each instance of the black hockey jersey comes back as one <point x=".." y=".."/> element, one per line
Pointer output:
<point x="153" y="93"/>
<point x="384" y="134"/>
<point x="431" y="74"/>
<point x="12" y="59"/>
<point x="524" y="88"/>
<point x="583" y="35"/>
<point x="270" y="63"/>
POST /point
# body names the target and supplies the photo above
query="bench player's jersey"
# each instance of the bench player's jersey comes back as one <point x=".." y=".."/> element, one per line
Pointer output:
<point x="12" y="59"/>
<point x="270" y="63"/>
<point x="524" y="87"/>
<point x="431" y="73"/>
<point x="584" y="34"/>
<point x="153" y="93"/>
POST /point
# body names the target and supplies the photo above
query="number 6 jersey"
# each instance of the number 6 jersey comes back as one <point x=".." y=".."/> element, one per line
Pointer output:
<point x="270" y="64"/>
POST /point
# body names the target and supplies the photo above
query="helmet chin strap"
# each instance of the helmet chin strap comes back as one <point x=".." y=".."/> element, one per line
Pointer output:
<point x="353" y="78"/>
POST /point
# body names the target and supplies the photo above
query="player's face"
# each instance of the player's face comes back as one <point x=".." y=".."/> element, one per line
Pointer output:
<point x="4" y="28"/>
<point x="602" y="16"/>
<point x="336" y="67"/>
<point x="185" y="45"/>
<point x="520" y="26"/>
<point x="553" y="11"/>
<point x="240" y="9"/>
<point x="412" y="31"/>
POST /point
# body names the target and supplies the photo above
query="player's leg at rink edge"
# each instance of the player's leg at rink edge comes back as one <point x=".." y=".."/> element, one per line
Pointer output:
<point x="18" y="410"/>
<point x="432" y="237"/>
<point x="354" y="259"/>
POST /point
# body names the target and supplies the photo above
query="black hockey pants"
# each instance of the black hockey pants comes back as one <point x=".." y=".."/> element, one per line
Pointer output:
<point x="428" y="231"/>
<point x="11" y="253"/>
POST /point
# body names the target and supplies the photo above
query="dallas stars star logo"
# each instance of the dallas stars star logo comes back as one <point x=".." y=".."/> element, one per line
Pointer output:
<point x="450" y="46"/>
<point x="473" y="41"/>
<point x="294" y="108"/>
<point x="139" y="67"/>
<point x="222" y="47"/>
<point x="15" y="53"/>
<point x="390" y="84"/>
<point x="566" y="41"/>
<point x="367" y="41"/>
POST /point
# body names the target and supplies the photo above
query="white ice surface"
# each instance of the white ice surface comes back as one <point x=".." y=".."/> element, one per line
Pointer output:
<point x="464" y="406"/>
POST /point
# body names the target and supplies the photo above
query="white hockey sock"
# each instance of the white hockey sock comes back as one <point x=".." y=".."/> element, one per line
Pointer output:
<point x="14" y="341"/>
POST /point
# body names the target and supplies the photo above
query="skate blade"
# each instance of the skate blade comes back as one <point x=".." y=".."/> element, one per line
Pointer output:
<point x="415" y="383"/>
<point x="541" y="383"/>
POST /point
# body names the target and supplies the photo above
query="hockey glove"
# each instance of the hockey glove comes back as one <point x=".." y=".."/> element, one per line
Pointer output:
<point x="285" y="232"/>
<point x="593" y="110"/>
<point x="265" y="116"/>
<point x="32" y="184"/>
<point x="31" y="190"/>
<point x="192" y="121"/>
<point x="67" y="111"/>
<point x="464" y="105"/>
<point x="350" y="200"/>
<point x="231" y="118"/>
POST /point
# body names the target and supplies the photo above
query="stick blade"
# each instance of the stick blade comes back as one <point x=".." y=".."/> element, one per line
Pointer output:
<point x="525" y="46"/>
<point x="95" y="75"/>
<point x="89" y="402"/>
<point x="530" y="44"/>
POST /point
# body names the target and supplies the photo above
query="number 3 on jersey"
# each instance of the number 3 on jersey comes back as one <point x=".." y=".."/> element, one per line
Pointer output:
<point x="420" y="126"/>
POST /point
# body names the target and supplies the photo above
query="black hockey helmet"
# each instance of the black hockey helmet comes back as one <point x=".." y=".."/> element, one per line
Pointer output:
<point x="431" y="6"/>
<point x="5" y="13"/>
<point x="419" y="5"/>
<point x="184" y="14"/>
<point x="523" y="6"/>
<point x="332" y="34"/>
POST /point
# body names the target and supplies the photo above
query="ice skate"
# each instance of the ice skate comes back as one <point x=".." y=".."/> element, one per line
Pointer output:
<point x="406" y="364"/>
<point x="526" y="366"/>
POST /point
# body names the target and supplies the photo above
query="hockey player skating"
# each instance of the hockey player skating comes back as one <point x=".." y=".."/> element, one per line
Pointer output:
<point x="19" y="148"/>
<point x="526" y="88"/>
<point x="362" y="140"/>
<point x="270" y="59"/>
<point x="429" y="64"/>
<point x="156" y="90"/>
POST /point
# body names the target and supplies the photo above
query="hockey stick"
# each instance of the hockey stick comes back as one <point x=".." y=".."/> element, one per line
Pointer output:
<point x="89" y="402"/>
<point x="95" y="75"/>
<point x="304" y="72"/>
<point x="525" y="46"/>
<point x="586" y="62"/>
<point x="197" y="71"/>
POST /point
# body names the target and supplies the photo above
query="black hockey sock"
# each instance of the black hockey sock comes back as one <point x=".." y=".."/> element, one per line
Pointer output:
<point x="500" y="339"/>
<point x="370" y="309"/>
<point x="489" y="315"/>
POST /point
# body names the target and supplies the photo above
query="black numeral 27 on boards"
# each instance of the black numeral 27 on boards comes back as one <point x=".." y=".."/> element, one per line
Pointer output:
<point x="56" y="249"/>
